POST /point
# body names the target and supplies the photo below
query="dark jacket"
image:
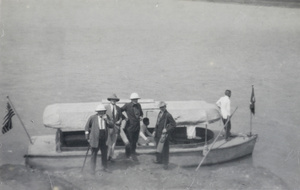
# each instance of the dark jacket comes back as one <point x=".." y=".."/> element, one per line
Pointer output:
<point x="134" y="112"/>
<point x="166" y="119"/>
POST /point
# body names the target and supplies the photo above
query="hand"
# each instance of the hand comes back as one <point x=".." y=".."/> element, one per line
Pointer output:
<point x="153" y="134"/>
<point x="164" y="130"/>
<point x="141" y="118"/>
<point x="117" y="128"/>
<point x="87" y="137"/>
<point x="110" y="122"/>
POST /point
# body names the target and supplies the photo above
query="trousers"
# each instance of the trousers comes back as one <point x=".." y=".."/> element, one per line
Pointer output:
<point x="164" y="156"/>
<point x="227" y="128"/>
<point x="103" y="148"/>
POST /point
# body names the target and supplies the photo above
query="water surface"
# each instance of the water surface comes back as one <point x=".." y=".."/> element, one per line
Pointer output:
<point x="82" y="51"/>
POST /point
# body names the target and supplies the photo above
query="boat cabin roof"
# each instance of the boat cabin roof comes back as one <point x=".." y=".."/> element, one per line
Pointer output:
<point x="73" y="116"/>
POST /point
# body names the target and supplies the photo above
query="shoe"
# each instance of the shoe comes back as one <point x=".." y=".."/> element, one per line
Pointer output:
<point x="110" y="159"/>
<point x="106" y="170"/>
<point x="166" y="167"/>
<point x="134" y="158"/>
<point x="156" y="162"/>
<point x="128" y="157"/>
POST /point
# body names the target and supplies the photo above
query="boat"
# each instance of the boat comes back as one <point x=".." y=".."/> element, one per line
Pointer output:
<point x="197" y="136"/>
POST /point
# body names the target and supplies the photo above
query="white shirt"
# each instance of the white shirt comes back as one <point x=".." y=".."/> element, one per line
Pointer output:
<point x="144" y="131"/>
<point x="101" y="124"/>
<point x="224" y="104"/>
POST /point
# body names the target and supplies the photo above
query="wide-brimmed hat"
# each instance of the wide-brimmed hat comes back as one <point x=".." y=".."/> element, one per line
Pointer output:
<point x="100" y="107"/>
<point x="113" y="97"/>
<point x="134" y="96"/>
<point x="162" y="104"/>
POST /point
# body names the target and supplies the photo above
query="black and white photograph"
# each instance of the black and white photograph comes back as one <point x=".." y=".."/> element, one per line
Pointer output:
<point x="149" y="94"/>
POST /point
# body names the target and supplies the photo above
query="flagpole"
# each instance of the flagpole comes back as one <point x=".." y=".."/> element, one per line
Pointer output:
<point x="250" y="123"/>
<point x="252" y="101"/>
<point x="19" y="119"/>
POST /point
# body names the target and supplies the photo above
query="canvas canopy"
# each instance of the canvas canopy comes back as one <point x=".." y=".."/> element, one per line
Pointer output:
<point x="73" y="116"/>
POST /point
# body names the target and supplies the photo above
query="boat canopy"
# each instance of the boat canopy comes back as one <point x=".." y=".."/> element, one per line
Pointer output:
<point x="73" y="116"/>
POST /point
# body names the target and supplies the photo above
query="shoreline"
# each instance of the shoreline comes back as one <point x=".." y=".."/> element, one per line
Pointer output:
<point x="128" y="174"/>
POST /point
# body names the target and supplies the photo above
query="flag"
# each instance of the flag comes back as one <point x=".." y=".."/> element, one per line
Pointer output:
<point x="7" y="124"/>
<point x="252" y="101"/>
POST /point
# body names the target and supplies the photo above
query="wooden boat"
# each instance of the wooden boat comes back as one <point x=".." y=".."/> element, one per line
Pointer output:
<point x="195" y="131"/>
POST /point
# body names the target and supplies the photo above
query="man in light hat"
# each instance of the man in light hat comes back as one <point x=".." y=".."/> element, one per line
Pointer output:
<point x="115" y="117"/>
<point x="134" y="114"/>
<point x="96" y="132"/>
<point x="164" y="126"/>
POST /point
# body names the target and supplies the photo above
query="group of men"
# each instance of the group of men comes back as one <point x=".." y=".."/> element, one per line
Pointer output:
<point x="103" y="128"/>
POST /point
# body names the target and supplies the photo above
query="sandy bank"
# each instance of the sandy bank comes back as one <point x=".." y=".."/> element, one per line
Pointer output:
<point x="128" y="174"/>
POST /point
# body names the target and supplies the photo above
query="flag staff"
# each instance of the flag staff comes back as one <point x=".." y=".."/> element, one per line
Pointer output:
<point x="250" y="124"/>
<point x="19" y="119"/>
<point x="252" y="108"/>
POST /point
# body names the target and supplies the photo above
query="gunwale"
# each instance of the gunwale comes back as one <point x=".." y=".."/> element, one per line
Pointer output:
<point x="43" y="153"/>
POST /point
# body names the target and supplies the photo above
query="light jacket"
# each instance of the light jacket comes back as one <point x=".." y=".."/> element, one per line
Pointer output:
<point x="92" y="126"/>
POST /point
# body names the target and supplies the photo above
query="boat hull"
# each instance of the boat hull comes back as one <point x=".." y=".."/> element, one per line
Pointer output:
<point x="42" y="154"/>
<point x="221" y="152"/>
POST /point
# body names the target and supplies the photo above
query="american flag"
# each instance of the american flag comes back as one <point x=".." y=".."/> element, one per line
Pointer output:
<point x="7" y="123"/>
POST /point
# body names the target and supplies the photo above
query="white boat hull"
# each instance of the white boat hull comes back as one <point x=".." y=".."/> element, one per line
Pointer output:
<point x="42" y="154"/>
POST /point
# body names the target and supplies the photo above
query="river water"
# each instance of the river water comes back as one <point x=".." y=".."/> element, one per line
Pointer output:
<point x="62" y="51"/>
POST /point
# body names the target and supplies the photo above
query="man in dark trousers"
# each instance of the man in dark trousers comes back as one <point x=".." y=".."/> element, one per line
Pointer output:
<point x="134" y="114"/>
<point x="165" y="125"/>
<point x="96" y="132"/>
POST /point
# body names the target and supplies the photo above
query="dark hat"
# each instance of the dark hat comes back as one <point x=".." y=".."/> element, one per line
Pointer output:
<point x="113" y="97"/>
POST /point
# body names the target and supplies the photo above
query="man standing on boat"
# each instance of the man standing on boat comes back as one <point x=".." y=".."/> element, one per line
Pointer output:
<point x="134" y="114"/>
<point x="96" y="132"/>
<point x="164" y="126"/>
<point x="114" y="114"/>
<point x="224" y="104"/>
